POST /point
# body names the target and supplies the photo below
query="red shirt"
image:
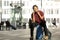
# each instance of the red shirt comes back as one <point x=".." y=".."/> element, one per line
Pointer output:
<point x="37" y="18"/>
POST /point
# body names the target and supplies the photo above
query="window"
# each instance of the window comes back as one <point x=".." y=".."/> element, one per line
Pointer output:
<point x="51" y="19"/>
<point x="0" y="3"/>
<point x="4" y="11"/>
<point x="4" y="3"/>
<point x="7" y="3"/>
<point x="43" y="10"/>
<point x="7" y="11"/>
<point x="48" y="20"/>
<point x="48" y="11"/>
<point x="51" y="11"/>
<point x="23" y="11"/>
<point x="57" y="20"/>
<point x="57" y="11"/>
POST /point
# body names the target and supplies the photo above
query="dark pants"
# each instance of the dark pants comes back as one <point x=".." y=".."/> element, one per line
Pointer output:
<point x="46" y="31"/>
<point x="0" y="27"/>
<point x="54" y="24"/>
<point x="49" y="34"/>
<point x="45" y="28"/>
<point x="31" y="33"/>
<point x="11" y="27"/>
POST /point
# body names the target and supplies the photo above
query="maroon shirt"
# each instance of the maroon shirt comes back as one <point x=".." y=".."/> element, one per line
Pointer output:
<point x="37" y="18"/>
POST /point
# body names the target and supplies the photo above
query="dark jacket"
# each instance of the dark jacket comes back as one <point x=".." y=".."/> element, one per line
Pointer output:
<point x="7" y="23"/>
<point x="30" y="24"/>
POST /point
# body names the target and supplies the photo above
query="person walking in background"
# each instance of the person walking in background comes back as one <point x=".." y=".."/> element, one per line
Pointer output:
<point x="54" y="22"/>
<point x="8" y="25"/>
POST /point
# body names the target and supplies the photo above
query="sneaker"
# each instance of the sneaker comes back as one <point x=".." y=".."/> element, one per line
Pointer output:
<point x="46" y="37"/>
<point x="31" y="38"/>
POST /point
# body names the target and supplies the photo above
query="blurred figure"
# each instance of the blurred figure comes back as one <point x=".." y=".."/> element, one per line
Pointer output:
<point x="24" y="25"/>
<point x="0" y="26"/>
<point x="31" y="29"/>
<point x="39" y="21"/>
<point x="38" y="18"/>
<point x="54" y="22"/>
<point x="8" y="25"/>
<point x="2" y="23"/>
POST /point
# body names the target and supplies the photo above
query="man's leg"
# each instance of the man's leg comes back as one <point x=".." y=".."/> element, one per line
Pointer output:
<point x="41" y="36"/>
<point x="13" y="27"/>
<point x="39" y="33"/>
<point x="55" y="25"/>
<point x="0" y="27"/>
<point x="31" y="33"/>
<point x="49" y="34"/>
<point x="45" y="31"/>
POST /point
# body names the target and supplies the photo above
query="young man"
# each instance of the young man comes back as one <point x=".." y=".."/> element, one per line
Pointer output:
<point x="38" y="17"/>
<point x="31" y="29"/>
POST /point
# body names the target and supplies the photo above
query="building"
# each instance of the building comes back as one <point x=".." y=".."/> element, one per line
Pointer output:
<point x="51" y="9"/>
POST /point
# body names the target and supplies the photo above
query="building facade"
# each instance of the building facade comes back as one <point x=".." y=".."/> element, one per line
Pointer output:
<point x="50" y="8"/>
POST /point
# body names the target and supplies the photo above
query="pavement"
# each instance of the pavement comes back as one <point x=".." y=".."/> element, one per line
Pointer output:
<point x="24" y="34"/>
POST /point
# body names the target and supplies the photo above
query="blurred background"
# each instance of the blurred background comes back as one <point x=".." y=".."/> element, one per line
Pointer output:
<point x="17" y="14"/>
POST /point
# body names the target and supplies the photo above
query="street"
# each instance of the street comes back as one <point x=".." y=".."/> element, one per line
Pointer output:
<point x="23" y="34"/>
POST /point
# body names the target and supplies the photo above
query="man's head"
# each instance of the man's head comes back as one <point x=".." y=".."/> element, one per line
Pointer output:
<point x="35" y="8"/>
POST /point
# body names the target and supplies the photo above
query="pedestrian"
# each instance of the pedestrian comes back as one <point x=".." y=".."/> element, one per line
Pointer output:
<point x="8" y="25"/>
<point x="54" y="22"/>
<point x="31" y="29"/>
<point x="40" y="23"/>
<point x="37" y="20"/>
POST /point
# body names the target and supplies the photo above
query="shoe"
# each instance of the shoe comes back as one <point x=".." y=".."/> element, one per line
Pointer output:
<point x="31" y="38"/>
<point x="46" y="37"/>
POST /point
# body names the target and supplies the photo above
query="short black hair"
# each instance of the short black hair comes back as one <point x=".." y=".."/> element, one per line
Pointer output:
<point x="35" y="6"/>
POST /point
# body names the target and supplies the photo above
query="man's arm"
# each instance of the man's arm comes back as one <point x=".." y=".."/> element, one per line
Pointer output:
<point x="41" y="14"/>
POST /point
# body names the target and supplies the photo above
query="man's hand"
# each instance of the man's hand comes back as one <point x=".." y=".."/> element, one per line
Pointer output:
<point x="42" y="17"/>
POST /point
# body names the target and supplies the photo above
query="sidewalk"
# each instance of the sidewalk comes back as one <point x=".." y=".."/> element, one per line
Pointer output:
<point x="24" y="34"/>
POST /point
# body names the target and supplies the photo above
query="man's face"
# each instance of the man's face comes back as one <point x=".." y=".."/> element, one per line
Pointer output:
<point x="35" y="9"/>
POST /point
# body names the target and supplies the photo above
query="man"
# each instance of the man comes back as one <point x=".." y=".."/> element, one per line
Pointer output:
<point x="31" y="29"/>
<point x="38" y="17"/>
